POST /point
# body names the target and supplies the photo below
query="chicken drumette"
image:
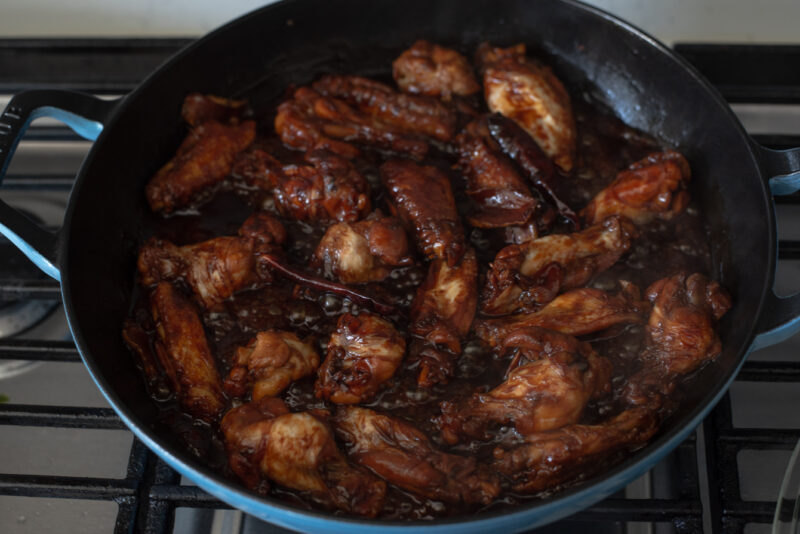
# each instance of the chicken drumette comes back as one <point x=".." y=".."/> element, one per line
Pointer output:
<point x="433" y="70"/>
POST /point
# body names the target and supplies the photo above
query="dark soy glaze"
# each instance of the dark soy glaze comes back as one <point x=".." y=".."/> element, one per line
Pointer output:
<point x="605" y="146"/>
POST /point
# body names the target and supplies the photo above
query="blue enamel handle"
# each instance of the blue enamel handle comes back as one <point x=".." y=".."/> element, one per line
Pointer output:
<point x="780" y="319"/>
<point x="85" y="114"/>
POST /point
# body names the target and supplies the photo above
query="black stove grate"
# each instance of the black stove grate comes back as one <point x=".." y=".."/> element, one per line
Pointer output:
<point x="707" y="493"/>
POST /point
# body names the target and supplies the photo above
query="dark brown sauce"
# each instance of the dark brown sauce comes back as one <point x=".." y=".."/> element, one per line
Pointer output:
<point x="605" y="146"/>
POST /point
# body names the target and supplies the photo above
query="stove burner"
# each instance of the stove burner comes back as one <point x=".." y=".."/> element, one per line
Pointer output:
<point x="16" y="317"/>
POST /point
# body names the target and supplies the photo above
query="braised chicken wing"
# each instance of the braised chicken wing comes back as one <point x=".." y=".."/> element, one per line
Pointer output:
<point x="199" y="108"/>
<point x="654" y="187"/>
<point x="577" y="312"/>
<point x="265" y="441"/>
<point x="183" y="352"/>
<point x="441" y="316"/>
<point x="269" y="364"/>
<point x="329" y="189"/>
<point x="429" y="69"/>
<point x="217" y="268"/>
<point x="361" y="252"/>
<point x="204" y="158"/>
<point x="405" y="457"/>
<point x="424" y="201"/>
<point x="553" y="376"/>
<point x="363" y="353"/>
<point x="528" y="92"/>
<point x="514" y="281"/>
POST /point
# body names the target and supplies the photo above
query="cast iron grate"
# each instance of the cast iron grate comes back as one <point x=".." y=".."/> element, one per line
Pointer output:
<point x="706" y="494"/>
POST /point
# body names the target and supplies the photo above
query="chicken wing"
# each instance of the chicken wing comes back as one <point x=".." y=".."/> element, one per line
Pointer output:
<point x="330" y="189"/>
<point x="514" y="281"/>
<point x="405" y="457"/>
<point x="361" y="252"/>
<point x="433" y="70"/>
<point x="502" y="196"/>
<point x="298" y="451"/>
<point x="528" y="92"/>
<point x="424" y="201"/>
<point x="183" y="352"/>
<point x="441" y="316"/>
<point x="217" y="268"/>
<point x="363" y="353"/>
<point x="652" y="187"/>
<point x="204" y="158"/>
<point x="270" y="363"/>
<point x="552" y="379"/>
<point x="199" y="108"/>
<point x="577" y="312"/>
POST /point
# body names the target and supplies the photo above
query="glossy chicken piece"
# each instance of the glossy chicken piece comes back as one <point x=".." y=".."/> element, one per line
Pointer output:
<point x="184" y="354"/>
<point x="654" y="187"/>
<point x="547" y="459"/>
<point x="503" y="197"/>
<point x="441" y="316"/>
<point x="514" y="281"/>
<point x="402" y="455"/>
<point x="329" y="189"/>
<point x="433" y="70"/>
<point x="204" y="159"/>
<point x="199" y="108"/>
<point x="363" y="353"/>
<point x="680" y="333"/>
<point x="410" y="114"/>
<point x="361" y="252"/>
<point x="296" y="450"/>
<point x="269" y="364"/>
<point x="424" y="201"/>
<point x="217" y="268"/>
<point x="577" y="312"/>
<point x="552" y="379"/>
<point x="311" y="121"/>
<point x="528" y="92"/>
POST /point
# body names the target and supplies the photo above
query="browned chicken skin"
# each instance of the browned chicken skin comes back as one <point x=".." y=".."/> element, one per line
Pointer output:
<point x="577" y="312"/>
<point x="297" y="450"/>
<point x="270" y="363"/>
<point x="529" y="93"/>
<point x="552" y="379"/>
<point x="361" y="252"/>
<point x="441" y="316"/>
<point x="424" y="202"/>
<point x="652" y="187"/>
<point x="405" y="457"/>
<point x="363" y="353"/>
<point x="204" y="158"/>
<point x="217" y="268"/>
<point x="514" y="281"/>
<point x="199" y="108"/>
<point x="184" y="354"/>
<point x="433" y="70"/>
<point x="329" y="189"/>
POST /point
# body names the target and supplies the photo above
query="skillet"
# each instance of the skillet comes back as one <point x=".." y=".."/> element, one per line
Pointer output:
<point x="258" y="55"/>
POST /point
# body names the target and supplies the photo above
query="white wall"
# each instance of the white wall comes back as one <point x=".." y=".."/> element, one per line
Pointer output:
<point x="669" y="20"/>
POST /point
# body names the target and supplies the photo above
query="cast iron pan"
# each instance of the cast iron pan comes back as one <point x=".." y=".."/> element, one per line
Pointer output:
<point x="260" y="54"/>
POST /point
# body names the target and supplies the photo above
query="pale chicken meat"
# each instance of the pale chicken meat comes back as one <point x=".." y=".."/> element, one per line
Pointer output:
<point x="364" y="251"/>
<point x="265" y="442"/>
<point x="654" y="187"/>
<point x="553" y="377"/>
<point x="402" y="455"/>
<point x="217" y="268"/>
<point x="577" y="312"/>
<point x="519" y="273"/>
<point x="363" y="354"/>
<point x="429" y="69"/>
<point x="528" y="92"/>
<point x="184" y="354"/>
<point x="441" y="317"/>
<point x="269" y="364"/>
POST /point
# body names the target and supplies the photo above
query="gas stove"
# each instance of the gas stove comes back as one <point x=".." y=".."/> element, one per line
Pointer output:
<point x="67" y="463"/>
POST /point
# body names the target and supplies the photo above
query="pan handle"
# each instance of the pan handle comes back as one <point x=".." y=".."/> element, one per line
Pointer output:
<point x="780" y="319"/>
<point x="83" y="113"/>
